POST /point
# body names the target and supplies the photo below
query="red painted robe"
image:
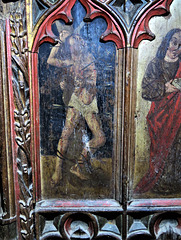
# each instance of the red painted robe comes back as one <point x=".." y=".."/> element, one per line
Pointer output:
<point x="164" y="122"/>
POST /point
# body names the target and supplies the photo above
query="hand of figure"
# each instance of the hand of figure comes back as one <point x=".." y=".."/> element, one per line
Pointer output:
<point x="169" y="88"/>
<point x="57" y="42"/>
<point x="62" y="85"/>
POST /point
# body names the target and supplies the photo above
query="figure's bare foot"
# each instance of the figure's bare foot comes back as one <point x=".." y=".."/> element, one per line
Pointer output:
<point x="77" y="171"/>
<point x="57" y="176"/>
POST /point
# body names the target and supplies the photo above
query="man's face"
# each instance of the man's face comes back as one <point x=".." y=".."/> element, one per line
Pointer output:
<point x="76" y="44"/>
<point x="64" y="34"/>
<point x="174" y="48"/>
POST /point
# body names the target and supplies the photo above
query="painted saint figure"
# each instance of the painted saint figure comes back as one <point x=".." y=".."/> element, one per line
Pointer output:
<point x="82" y="102"/>
<point x="164" y="117"/>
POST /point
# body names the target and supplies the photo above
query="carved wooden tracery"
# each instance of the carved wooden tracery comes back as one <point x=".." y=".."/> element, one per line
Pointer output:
<point x="119" y="218"/>
<point x="20" y="117"/>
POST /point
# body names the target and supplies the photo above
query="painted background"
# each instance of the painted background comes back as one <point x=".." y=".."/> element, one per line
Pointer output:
<point x="146" y="52"/>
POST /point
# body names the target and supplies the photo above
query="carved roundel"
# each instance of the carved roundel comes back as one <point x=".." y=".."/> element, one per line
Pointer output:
<point x="83" y="225"/>
<point x="165" y="223"/>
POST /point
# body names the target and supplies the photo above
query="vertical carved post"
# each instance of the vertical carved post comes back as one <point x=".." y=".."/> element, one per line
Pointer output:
<point x="20" y="89"/>
<point x="6" y="166"/>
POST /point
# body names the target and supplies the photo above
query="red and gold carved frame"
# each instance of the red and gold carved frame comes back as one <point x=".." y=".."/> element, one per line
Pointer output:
<point x="126" y="41"/>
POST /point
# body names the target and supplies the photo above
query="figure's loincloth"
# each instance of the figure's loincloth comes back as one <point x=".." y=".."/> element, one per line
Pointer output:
<point x="76" y="103"/>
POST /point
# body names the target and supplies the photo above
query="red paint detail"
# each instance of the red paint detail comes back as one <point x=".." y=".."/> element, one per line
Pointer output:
<point x="113" y="32"/>
<point x="36" y="124"/>
<point x="54" y="203"/>
<point x="44" y="33"/>
<point x="12" y="121"/>
<point x="164" y="114"/>
<point x="156" y="203"/>
<point x="67" y="226"/>
<point x="163" y="216"/>
<point x="31" y="130"/>
<point x="141" y="30"/>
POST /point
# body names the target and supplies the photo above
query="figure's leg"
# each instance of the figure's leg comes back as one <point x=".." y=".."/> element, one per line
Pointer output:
<point x="98" y="139"/>
<point x="91" y="147"/>
<point x="72" y="119"/>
